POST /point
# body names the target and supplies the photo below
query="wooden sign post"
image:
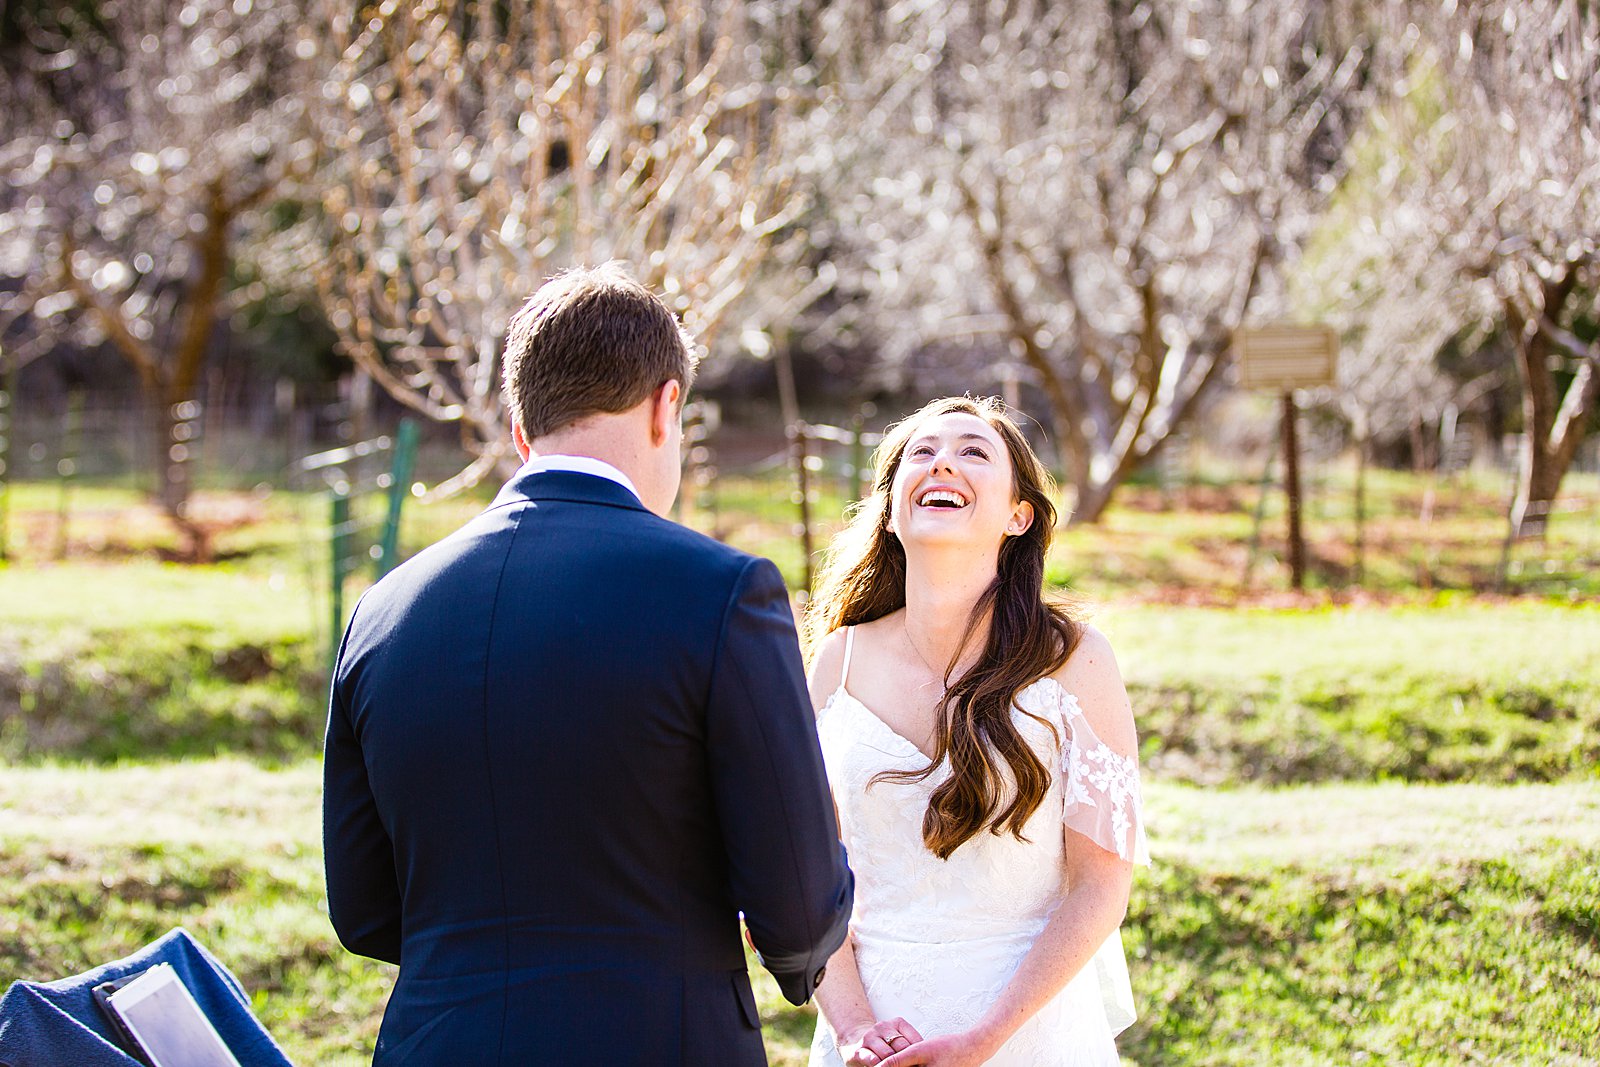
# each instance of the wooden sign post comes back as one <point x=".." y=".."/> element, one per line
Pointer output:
<point x="1284" y="358"/>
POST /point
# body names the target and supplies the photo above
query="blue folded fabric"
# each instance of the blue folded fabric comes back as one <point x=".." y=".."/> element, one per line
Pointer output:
<point x="58" y="1024"/>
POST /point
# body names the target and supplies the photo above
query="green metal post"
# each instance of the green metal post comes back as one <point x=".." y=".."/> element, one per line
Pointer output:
<point x="402" y="465"/>
<point x="339" y="548"/>
<point x="802" y="495"/>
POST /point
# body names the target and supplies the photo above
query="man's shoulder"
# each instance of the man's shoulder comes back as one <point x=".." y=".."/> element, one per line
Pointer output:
<point x="686" y="539"/>
<point x="695" y="548"/>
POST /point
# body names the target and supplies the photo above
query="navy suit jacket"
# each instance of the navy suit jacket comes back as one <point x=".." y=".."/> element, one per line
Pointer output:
<point x="566" y="746"/>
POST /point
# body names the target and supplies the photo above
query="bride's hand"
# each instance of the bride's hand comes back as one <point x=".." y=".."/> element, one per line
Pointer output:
<point x="868" y="1046"/>
<point x="954" y="1050"/>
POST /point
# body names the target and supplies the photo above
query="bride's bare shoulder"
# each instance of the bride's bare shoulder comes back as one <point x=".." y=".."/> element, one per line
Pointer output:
<point x="827" y="668"/>
<point x="828" y="658"/>
<point x="1091" y="652"/>
<point x="1091" y="674"/>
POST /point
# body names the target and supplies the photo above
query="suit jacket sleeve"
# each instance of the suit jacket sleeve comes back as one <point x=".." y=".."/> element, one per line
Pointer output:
<point x="363" y="890"/>
<point x="788" y="869"/>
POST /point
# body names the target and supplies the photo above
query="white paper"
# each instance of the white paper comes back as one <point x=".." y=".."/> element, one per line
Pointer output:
<point x="163" y="1017"/>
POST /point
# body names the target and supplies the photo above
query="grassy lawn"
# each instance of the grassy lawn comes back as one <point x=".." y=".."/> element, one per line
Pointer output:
<point x="1453" y="691"/>
<point x="1334" y="924"/>
<point x="1448" y="691"/>
<point x="1376" y="809"/>
<point x="1369" y="924"/>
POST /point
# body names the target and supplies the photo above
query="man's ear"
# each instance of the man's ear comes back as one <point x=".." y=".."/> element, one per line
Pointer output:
<point x="519" y="442"/>
<point x="666" y="408"/>
<point x="1021" y="519"/>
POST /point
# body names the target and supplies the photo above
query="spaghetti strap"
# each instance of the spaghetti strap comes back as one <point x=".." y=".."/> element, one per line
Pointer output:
<point x="849" y="647"/>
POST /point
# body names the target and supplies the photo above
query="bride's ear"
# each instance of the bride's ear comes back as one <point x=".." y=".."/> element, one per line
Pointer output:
<point x="1021" y="519"/>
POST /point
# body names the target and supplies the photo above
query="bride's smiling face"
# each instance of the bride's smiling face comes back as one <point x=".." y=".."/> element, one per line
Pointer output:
<point x="955" y="485"/>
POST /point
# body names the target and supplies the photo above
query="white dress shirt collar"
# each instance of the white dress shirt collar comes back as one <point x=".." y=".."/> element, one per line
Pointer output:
<point x="578" y="465"/>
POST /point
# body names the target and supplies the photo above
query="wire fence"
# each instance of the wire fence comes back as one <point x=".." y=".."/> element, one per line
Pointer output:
<point x="80" y="438"/>
<point x="366" y="485"/>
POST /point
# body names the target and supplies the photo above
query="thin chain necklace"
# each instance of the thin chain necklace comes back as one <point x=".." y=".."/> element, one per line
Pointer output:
<point x="938" y="675"/>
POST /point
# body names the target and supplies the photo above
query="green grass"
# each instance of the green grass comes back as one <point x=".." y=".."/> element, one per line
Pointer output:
<point x="1448" y="692"/>
<point x="179" y="691"/>
<point x="98" y="862"/>
<point x="1358" y="924"/>
<point x="1329" y="925"/>
<point x="1472" y="641"/>
<point x="159" y="726"/>
<point x="150" y="596"/>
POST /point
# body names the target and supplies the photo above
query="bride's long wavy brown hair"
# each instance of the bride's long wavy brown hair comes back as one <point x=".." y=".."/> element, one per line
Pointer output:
<point x="864" y="578"/>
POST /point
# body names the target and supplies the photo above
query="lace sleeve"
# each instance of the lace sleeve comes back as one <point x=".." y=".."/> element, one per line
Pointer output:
<point x="1101" y="787"/>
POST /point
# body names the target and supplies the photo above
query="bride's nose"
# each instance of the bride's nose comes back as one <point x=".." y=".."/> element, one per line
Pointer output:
<point x="942" y="460"/>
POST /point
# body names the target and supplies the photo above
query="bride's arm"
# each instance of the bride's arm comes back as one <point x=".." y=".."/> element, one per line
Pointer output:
<point x="1092" y="911"/>
<point x="842" y="999"/>
<point x="862" y="1040"/>
<point x="1097" y="882"/>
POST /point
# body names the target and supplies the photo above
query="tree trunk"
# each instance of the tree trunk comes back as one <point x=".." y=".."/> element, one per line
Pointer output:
<point x="1073" y="450"/>
<point x="1093" y="497"/>
<point x="1539" y="480"/>
<point x="1553" y="424"/>
<point x="172" y="382"/>
<point x="174" y="441"/>
<point x="1539" y="467"/>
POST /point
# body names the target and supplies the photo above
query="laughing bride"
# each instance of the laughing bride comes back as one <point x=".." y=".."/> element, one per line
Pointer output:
<point x="982" y="755"/>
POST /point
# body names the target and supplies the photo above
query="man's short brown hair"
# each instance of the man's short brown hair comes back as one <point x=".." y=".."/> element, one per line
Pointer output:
<point x="590" y="340"/>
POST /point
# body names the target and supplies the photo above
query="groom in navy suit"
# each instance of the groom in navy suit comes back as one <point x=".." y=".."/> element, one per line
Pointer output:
<point x="570" y="743"/>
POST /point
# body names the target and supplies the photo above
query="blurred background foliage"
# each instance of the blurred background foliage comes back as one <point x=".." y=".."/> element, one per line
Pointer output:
<point x="222" y="202"/>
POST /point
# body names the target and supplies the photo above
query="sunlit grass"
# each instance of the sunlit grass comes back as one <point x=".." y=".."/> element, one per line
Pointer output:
<point x="1298" y="925"/>
<point x="1467" y="641"/>
<point x="149" y="660"/>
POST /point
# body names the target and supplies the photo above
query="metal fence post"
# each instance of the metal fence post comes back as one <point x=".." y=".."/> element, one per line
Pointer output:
<point x="802" y="495"/>
<point x="67" y="467"/>
<point x="339" y="547"/>
<point x="7" y="386"/>
<point x="1291" y="485"/>
<point x="858" y="459"/>
<point x="401" y="467"/>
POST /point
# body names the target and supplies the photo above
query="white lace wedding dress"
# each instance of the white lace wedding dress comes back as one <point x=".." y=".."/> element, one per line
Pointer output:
<point x="936" y="940"/>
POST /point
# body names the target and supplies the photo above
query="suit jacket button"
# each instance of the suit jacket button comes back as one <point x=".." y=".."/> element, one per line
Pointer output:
<point x="816" y="979"/>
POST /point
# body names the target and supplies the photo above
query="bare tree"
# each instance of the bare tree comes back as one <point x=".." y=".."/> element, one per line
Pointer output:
<point x="487" y="147"/>
<point x="1108" y="188"/>
<point x="1514" y="196"/>
<point x="1371" y="274"/>
<point x="143" y="145"/>
<point x="1371" y="271"/>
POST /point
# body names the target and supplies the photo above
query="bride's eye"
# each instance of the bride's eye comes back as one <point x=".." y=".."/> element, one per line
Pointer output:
<point x="922" y="450"/>
<point x="976" y="451"/>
